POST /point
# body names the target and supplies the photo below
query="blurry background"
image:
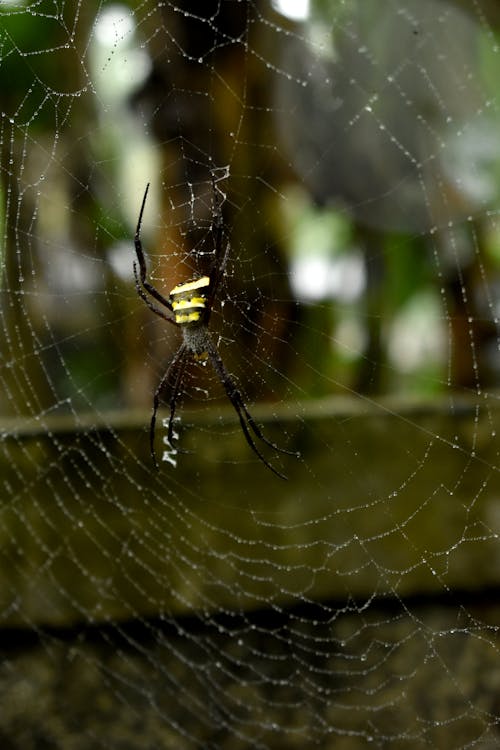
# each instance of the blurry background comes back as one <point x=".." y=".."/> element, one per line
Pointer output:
<point x="360" y="149"/>
<point x="356" y="146"/>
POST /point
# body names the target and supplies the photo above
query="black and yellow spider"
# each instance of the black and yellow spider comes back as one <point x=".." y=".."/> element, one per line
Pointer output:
<point x="189" y="306"/>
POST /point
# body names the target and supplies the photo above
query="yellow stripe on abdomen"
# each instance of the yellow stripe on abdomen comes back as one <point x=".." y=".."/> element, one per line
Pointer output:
<point x="191" y="286"/>
<point x="183" y="304"/>
<point x="188" y="317"/>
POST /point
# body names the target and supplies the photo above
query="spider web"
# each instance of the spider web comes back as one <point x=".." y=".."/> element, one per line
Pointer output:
<point x="210" y="604"/>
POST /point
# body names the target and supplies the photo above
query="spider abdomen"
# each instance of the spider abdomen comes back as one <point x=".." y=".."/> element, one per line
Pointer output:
<point x="189" y="301"/>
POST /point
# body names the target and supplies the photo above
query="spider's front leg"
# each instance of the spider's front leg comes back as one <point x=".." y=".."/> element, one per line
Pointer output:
<point x="221" y="247"/>
<point x="141" y="283"/>
<point x="142" y="294"/>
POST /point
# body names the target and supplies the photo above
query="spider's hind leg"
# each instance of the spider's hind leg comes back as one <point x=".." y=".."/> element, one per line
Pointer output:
<point x="255" y="427"/>
<point x="181" y="362"/>
<point x="177" y="365"/>
<point x="236" y="399"/>
<point x="250" y="440"/>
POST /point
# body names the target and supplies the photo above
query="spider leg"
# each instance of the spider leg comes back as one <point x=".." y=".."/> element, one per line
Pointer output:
<point x="178" y="359"/>
<point x="253" y="424"/>
<point x="142" y="294"/>
<point x="182" y="361"/>
<point x="221" y="252"/>
<point x="255" y="427"/>
<point x="215" y="279"/>
<point x="236" y="400"/>
<point x="141" y="279"/>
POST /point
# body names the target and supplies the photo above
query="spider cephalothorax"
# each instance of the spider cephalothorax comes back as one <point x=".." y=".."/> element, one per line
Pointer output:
<point x="189" y="306"/>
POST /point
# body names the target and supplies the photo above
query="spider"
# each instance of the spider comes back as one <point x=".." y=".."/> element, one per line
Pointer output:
<point x="188" y="307"/>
